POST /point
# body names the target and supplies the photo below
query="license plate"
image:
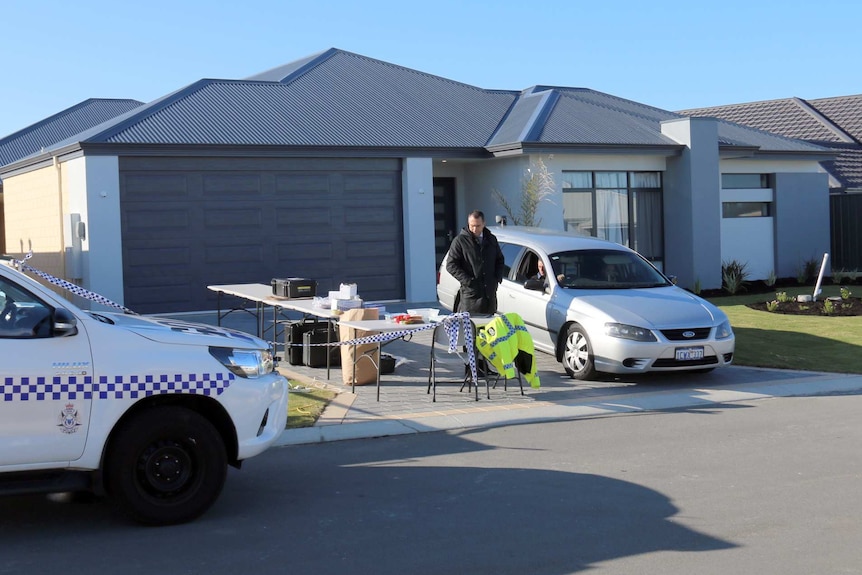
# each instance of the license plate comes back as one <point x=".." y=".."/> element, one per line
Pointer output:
<point x="689" y="353"/>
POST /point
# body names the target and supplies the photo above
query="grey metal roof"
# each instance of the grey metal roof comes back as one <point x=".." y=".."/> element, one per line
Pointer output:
<point x="337" y="99"/>
<point x="588" y="117"/>
<point x="61" y="126"/>
<point x="584" y="116"/>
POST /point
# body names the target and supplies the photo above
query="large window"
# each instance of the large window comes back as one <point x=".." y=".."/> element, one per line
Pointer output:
<point x="624" y="207"/>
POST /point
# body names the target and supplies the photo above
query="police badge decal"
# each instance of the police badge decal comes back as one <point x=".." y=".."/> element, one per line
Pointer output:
<point x="69" y="420"/>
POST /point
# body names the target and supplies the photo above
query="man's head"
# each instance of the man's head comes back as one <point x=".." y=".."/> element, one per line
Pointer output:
<point x="476" y="222"/>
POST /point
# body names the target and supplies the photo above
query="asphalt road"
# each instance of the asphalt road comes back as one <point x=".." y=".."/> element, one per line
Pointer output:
<point x="769" y="486"/>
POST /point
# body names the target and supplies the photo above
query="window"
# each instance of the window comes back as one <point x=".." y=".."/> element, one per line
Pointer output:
<point x="510" y="254"/>
<point x="746" y="209"/>
<point x="624" y="207"/>
<point x="21" y="314"/>
<point x="744" y="181"/>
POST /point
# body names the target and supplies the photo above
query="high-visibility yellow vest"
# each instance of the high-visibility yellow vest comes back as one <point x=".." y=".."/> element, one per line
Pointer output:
<point x="508" y="346"/>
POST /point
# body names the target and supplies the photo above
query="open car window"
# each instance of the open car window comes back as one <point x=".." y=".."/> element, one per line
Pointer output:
<point x="605" y="269"/>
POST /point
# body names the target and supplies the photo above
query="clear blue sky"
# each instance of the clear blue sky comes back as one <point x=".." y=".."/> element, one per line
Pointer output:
<point x="670" y="54"/>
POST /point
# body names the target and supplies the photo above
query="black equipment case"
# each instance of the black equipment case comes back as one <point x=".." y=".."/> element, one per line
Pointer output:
<point x="293" y="288"/>
<point x="315" y="355"/>
<point x="293" y="333"/>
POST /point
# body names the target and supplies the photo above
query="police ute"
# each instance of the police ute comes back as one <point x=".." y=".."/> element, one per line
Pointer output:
<point x="148" y="411"/>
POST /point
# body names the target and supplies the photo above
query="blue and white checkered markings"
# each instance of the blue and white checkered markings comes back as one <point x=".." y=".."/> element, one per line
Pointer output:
<point x="66" y="388"/>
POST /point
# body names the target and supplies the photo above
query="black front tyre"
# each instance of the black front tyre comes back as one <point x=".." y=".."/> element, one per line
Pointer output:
<point x="166" y="465"/>
<point x="578" y="354"/>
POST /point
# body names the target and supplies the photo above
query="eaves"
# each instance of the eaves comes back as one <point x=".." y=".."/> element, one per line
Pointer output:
<point x="754" y="152"/>
<point x="40" y="160"/>
<point x="522" y="148"/>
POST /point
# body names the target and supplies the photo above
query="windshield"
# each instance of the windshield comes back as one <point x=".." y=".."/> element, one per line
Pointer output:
<point x="604" y="269"/>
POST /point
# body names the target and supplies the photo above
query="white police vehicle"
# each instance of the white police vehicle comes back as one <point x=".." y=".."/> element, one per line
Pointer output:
<point x="145" y="410"/>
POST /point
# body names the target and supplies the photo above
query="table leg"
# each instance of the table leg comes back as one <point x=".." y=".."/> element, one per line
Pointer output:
<point x="353" y="381"/>
<point x="379" y="347"/>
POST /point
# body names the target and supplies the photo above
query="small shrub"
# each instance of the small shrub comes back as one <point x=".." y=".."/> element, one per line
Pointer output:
<point x="828" y="307"/>
<point x="845" y="293"/>
<point x="783" y="297"/>
<point x="853" y="276"/>
<point x="734" y="275"/>
<point x="696" y="289"/>
<point x="807" y="271"/>
<point x="771" y="305"/>
<point x="839" y="276"/>
<point x="770" y="279"/>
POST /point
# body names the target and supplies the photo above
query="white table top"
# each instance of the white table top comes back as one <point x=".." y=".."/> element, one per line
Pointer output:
<point x="262" y="293"/>
<point x="384" y="325"/>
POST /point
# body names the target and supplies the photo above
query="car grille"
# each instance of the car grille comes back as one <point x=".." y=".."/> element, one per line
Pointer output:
<point x="667" y="362"/>
<point x="676" y="334"/>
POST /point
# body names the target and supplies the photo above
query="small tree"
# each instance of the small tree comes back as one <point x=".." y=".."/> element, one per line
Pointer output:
<point x="537" y="185"/>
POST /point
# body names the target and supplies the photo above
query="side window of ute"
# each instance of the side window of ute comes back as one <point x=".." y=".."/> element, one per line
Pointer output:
<point x="21" y="314"/>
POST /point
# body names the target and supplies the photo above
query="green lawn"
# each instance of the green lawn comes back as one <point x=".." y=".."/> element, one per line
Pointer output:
<point x="306" y="405"/>
<point x="811" y="343"/>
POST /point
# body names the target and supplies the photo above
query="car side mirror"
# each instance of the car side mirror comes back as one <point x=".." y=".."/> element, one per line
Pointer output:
<point x="534" y="284"/>
<point x="65" y="324"/>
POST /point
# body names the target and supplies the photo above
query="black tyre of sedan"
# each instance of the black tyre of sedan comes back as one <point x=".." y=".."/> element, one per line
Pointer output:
<point x="166" y="465"/>
<point x="578" y="354"/>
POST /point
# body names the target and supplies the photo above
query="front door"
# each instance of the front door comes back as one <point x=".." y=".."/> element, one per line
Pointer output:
<point x="45" y="385"/>
<point x="445" y="228"/>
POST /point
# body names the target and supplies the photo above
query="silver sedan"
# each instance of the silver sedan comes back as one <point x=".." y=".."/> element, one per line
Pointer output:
<point x="602" y="307"/>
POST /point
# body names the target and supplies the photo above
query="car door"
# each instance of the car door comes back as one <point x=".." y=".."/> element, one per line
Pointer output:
<point x="45" y="382"/>
<point x="531" y="305"/>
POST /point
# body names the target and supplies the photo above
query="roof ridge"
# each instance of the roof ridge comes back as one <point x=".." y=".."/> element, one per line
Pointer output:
<point x="825" y="121"/>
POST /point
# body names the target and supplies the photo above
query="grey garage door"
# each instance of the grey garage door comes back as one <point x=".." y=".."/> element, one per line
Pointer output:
<point x="188" y="223"/>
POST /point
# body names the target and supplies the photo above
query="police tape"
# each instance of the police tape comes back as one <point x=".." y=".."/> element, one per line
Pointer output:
<point x="69" y="286"/>
<point x="451" y="323"/>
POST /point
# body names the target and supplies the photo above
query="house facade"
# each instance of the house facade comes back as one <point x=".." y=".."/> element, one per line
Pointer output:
<point x="834" y="123"/>
<point x="343" y="168"/>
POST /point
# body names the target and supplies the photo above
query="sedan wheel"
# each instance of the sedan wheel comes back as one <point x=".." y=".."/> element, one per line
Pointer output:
<point x="578" y="354"/>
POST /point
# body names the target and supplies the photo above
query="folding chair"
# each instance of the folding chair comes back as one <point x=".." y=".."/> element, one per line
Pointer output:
<point x="440" y="355"/>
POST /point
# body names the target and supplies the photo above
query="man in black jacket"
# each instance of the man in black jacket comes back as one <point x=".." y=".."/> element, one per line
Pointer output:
<point x="476" y="261"/>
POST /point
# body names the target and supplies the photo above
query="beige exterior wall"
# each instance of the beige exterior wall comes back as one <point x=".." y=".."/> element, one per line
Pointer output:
<point x="33" y="206"/>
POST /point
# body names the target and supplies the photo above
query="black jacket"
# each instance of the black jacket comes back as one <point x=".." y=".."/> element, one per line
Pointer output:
<point x="479" y="268"/>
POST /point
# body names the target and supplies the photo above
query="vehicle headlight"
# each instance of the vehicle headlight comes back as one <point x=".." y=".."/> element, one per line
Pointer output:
<point x="724" y="331"/>
<point x="250" y="363"/>
<point x="624" y="331"/>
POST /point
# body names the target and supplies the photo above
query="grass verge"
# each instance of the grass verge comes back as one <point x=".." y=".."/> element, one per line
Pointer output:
<point x="306" y="404"/>
<point x="810" y="343"/>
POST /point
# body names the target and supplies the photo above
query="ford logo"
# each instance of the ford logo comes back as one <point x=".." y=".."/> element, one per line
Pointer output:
<point x="688" y="334"/>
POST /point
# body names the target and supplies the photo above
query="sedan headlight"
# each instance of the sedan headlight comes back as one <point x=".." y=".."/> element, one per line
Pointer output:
<point x="724" y="331"/>
<point x="250" y="363"/>
<point x="624" y="331"/>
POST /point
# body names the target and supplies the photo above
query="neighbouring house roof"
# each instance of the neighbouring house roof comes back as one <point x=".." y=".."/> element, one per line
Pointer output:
<point x="340" y="100"/>
<point x="60" y="126"/>
<point x="835" y="123"/>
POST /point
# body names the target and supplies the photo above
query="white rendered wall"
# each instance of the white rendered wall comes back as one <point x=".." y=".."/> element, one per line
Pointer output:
<point x="94" y="193"/>
<point x="749" y="240"/>
<point x="420" y="275"/>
